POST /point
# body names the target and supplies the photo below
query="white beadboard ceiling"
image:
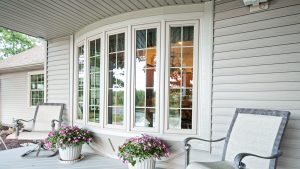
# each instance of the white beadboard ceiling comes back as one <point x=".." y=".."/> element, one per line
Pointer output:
<point x="50" y="19"/>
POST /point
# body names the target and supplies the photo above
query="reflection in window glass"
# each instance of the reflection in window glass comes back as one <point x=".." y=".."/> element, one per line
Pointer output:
<point x="94" y="77"/>
<point x="36" y="89"/>
<point x="116" y="79"/>
<point x="146" y="78"/>
<point x="80" y="82"/>
<point x="181" y="77"/>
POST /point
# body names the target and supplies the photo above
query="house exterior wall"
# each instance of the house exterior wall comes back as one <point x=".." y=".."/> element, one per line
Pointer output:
<point x="57" y="76"/>
<point x="14" y="97"/>
<point x="256" y="64"/>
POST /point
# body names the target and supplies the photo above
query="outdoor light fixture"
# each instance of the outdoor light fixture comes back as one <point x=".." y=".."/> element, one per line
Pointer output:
<point x="256" y="5"/>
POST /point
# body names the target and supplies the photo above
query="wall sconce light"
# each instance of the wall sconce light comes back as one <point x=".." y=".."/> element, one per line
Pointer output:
<point x="256" y="5"/>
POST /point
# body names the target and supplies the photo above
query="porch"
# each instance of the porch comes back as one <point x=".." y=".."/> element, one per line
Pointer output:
<point x="240" y="59"/>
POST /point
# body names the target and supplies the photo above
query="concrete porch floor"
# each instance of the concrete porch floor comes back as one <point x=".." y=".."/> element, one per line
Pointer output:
<point x="11" y="159"/>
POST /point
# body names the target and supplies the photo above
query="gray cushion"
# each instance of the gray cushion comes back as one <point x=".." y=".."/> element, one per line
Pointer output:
<point x="210" y="165"/>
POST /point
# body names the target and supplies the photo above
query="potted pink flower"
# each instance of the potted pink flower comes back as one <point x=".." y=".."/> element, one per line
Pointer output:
<point x="141" y="152"/>
<point x="69" y="141"/>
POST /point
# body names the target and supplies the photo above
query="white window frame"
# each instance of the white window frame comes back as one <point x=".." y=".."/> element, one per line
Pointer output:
<point x="158" y="67"/>
<point x="106" y="65"/>
<point x="29" y="86"/>
<point x="87" y="75"/>
<point x="196" y="64"/>
<point x="75" y="108"/>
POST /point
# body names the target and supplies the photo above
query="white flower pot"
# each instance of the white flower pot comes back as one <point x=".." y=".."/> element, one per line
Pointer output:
<point x="146" y="164"/>
<point x="70" y="153"/>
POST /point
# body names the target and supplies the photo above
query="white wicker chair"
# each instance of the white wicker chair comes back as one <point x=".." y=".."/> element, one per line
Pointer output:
<point x="46" y="114"/>
<point x="253" y="140"/>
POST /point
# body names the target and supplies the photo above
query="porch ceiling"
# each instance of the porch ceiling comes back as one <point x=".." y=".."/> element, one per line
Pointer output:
<point x="50" y="19"/>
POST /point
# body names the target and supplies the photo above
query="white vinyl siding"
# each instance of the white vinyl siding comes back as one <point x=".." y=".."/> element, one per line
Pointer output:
<point x="57" y="77"/>
<point x="256" y="65"/>
<point x="14" y="97"/>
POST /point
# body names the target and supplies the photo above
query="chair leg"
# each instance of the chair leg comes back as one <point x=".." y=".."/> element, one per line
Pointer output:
<point x="40" y="144"/>
<point x="3" y="142"/>
<point x="28" y="152"/>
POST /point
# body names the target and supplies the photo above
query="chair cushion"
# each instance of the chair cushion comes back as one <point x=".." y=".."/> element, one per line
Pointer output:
<point x="34" y="135"/>
<point x="210" y="165"/>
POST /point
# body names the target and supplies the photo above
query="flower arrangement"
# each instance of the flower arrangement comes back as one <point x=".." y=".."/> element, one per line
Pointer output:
<point x="68" y="136"/>
<point x="137" y="149"/>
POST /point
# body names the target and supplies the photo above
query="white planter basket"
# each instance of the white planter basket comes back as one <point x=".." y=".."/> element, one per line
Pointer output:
<point x="146" y="164"/>
<point x="70" y="153"/>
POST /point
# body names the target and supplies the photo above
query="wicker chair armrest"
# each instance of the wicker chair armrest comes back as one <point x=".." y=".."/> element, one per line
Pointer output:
<point x="238" y="164"/>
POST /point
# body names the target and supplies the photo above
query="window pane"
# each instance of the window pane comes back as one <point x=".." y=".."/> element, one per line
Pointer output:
<point x="92" y="48"/>
<point x="140" y="117"/>
<point x="140" y="39"/>
<point x="175" y="57"/>
<point x="150" y="118"/>
<point x="115" y="115"/>
<point x="116" y="79"/>
<point x="150" y="98"/>
<point x="80" y="84"/>
<point x="120" y="60"/>
<point x="151" y="78"/>
<point x="145" y="77"/>
<point x="187" y="77"/>
<point x="174" y="119"/>
<point x="121" y="42"/>
<point x="112" y="43"/>
<point x="186" y="118"/>
<point x="151" y="38"/>
<point x="188" y="35"/>
<point x="94" y="88"/>
<point x="181" y="77"/>
<point x="140" y="60"/>
<point x="186" y="98"/>
<point x="140" y="97"/>
<point x="175" y="36"/>
<point x="187" y="57"/>
<point x="151" y="58"/>
<point x="112" y="61"/>
<point x="174" y="98"/>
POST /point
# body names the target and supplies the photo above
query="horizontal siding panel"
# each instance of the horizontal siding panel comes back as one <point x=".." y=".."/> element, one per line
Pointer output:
<point x="228" y="6"/>
<point x="262" y="60"/>
<point x="59" y="77"/>
<point x="259" y="25"/>
<point x="58" y="48"/>
<point x="257" y="87"/>
<point x="62" y="57"/>
<point x="285" y="105"/>
<point x="255" y="52"/>
<point x="273" y="5"/>
<point x="58" y="53"/>
<point x="258" y="96"/>
<point x="258" y="78"/>
<point x="58" y="82"/>
<point x="258" y="43"/>
<point x="59" y="68"/>
<point x="268" y="14"/>
<point x="58" y="62"/>
<point x="278" y="31"/>
<point x="58" y="42"/>
<point x="260" y="69"/>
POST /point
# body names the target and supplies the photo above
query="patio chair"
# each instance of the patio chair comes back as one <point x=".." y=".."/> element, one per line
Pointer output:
<point x="43" y="122"/>
<point x="253" y="141"/>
